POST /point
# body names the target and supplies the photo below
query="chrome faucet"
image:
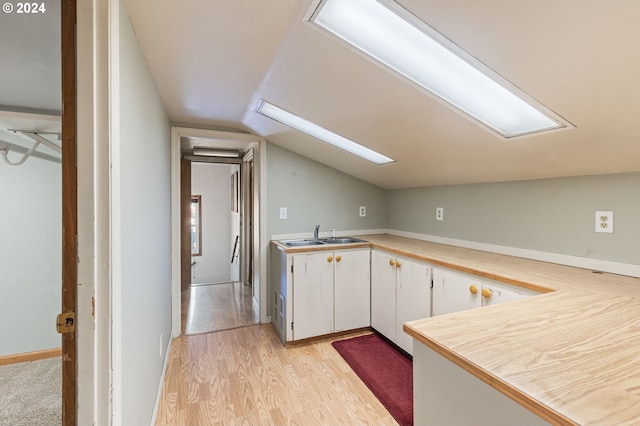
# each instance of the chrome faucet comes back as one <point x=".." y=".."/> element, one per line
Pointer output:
<point x="315" y="232"/>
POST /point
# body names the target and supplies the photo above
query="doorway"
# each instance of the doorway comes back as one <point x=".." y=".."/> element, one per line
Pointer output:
<point x="38" y="202"/>
<point x="217" y="297"/>
<point x="218" y="285"/>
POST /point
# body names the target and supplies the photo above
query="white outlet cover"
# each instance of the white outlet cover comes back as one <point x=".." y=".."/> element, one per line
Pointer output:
<point x="604" y="221"/>
<point x="283" y="212"/>
<point x="440" y="213"/>
<point x="363" y="211"/>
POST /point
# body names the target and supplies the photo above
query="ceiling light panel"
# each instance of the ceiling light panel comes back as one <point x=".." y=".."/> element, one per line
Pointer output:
<point x="319" y="132"/>
<point x="391" y="35"/>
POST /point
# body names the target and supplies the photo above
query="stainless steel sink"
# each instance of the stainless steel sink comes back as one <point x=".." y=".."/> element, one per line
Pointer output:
<point x="345" y="240"/>
<point x="302" y="243"/>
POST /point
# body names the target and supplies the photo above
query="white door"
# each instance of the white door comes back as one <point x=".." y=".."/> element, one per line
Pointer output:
<point x="383" y="294"/>
<point x="413" y="297"/>
<point x="352" y="287"/>
<point x="312" y="295"/>
<point x="454" y="292"/>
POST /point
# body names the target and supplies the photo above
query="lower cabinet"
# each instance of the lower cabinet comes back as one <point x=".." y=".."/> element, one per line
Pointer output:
<point x="456" y="291"/>
<point x="326" y="292"/>
<point x="312" y="295"/>
<point x="453" y="292"/>
<point x="352" y="289"/>
<point x="400" y="292"/>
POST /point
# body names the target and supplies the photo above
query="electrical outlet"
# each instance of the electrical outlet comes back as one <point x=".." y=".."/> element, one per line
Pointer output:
<point x="363" y="211"/>
<point x="439" y="213"/>
<point x="604" y="222"/>
<point x="283" y="212"/>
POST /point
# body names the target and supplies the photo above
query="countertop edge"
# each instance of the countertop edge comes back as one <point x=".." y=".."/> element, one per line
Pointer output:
<point x="518" y="396"/>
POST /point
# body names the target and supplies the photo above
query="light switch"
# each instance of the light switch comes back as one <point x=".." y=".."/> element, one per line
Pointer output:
<point x="283" y="212"/>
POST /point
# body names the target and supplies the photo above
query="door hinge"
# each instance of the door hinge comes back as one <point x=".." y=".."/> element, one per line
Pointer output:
<point x="291" y="325"/>
<point x="292" y="269"/>
<point x="66" y="322"/>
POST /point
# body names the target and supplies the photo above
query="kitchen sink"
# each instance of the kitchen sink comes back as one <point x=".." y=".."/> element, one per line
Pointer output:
<point x="302" y="243"/>
<point x="345" y="240"/>
<point x="310" y="242"/>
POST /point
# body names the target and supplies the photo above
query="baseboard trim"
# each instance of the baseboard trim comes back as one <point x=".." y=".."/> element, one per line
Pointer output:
<point x="561" y="259"/>
<point x="163" y="375"/>
<point x="30" y="356"/>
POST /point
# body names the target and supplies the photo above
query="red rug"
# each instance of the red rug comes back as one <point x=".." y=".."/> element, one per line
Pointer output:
<point x="384" y="369"/>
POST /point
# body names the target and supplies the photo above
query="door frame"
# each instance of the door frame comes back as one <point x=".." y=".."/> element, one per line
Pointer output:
<point x="260" y="221"/>
<point x="69" y="207"/>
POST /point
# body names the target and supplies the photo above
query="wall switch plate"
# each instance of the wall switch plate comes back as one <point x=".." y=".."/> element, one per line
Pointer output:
<point x="604" y="221"/>
<point x="439" y="213"/>
<point x="363" y="211"/>
<point x="283" y="212"/>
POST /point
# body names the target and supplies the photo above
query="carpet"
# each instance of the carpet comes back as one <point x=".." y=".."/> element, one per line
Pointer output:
<point x="384" y="369"/>
<point x="31" y="393"/>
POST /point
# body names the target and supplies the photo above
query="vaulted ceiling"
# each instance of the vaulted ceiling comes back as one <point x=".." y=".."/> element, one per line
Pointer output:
<point x="214" y="60"/>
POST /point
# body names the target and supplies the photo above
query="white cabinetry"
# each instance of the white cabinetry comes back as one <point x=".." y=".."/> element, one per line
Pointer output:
<point x="352" y="289"/>
<point x="453" y="292"/>
<point x="400" y="292"/>
<point x="321" y="292"/>
<point x="493" y="294"/>
<point x="456" y="291"/>
<point x="312" y="294"/>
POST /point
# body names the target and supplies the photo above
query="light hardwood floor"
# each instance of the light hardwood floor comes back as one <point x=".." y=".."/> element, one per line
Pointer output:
<point x="215" y="307"/>
<point x="246" y="376"/>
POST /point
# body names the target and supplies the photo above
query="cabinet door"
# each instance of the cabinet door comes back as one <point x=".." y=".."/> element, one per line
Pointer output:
<point x="497" y="294"/>
<point x="454" y="292"/>
<point x="413" y="297"/>
<point x="312" y="295"/>
<point x="383" y="294"/>
<point x="352" y="287"/>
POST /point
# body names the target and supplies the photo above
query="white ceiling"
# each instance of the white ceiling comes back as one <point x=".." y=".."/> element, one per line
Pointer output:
<point x="214" y="60"/>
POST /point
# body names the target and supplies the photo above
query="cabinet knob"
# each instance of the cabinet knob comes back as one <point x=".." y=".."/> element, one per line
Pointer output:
<point x="329" y="258"/>
<point x="391" y="262"/>
<point x="338" y="258"/>
<point x="473" y="289"/>
<point x="486" y="293"/>
<point x="398" y="264"/>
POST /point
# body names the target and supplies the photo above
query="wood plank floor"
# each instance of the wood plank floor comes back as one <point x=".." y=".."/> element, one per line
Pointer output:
<point x="215" y="307"/>
<point x="246" y="376"/>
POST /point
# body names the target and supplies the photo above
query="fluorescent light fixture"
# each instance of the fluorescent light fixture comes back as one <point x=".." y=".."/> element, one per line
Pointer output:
<point x="391" y="35"/>
<point x="206" y="152"/>
<point x="312" y="129"/>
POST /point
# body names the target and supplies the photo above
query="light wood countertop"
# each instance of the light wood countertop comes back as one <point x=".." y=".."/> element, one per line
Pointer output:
<point x="572" y="355"/>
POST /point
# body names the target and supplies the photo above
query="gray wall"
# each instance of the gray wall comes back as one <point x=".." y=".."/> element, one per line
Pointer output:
<point x="317" y="194"/>
<point x="30" y="255"/>
<point x="145" y="238"/>
<point x="550" y="215"/>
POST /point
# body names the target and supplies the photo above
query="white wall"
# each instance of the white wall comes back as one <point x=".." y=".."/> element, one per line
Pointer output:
<point x="30" y="256"/>
<point x="213" y="183"/>
<point x="140" y="233"/>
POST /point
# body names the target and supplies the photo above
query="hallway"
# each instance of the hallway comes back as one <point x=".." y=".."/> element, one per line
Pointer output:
<point x="215" y="307"/>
